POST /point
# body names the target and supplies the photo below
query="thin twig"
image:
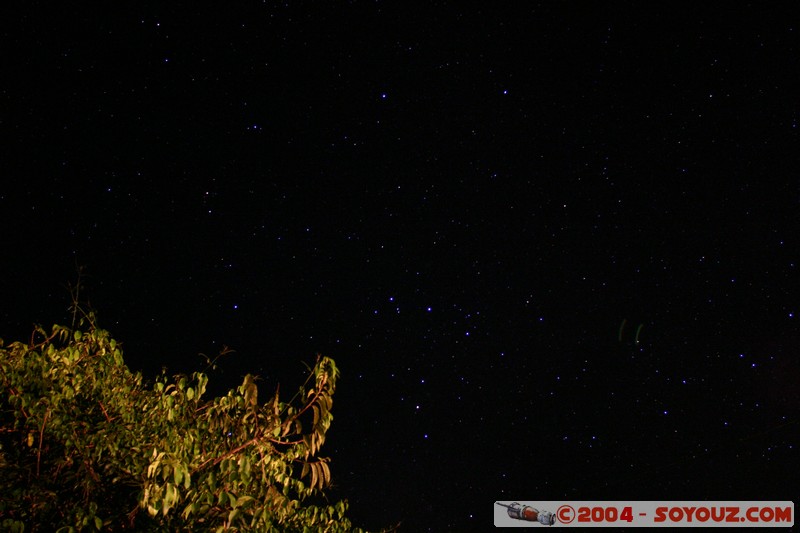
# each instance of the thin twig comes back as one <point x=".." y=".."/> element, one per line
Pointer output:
<point x="108" y="418"/>
<point x="41" y="439"/>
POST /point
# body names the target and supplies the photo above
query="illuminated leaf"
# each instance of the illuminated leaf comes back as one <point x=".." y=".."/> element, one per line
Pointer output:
<point x="313" y="475"/>
<point x="243" y="501"/>
<point x="188" y="510"/>
<point x="326" y="474"/>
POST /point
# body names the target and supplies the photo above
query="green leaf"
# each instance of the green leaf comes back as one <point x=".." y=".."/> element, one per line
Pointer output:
<point x="243" y="501"/>
<point x="244" y="467"/>
<point x="188" y="510"/>
<point x="171" y="496"/>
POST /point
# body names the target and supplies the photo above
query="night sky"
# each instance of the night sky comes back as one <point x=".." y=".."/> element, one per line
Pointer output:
<point x="460" y="205"/>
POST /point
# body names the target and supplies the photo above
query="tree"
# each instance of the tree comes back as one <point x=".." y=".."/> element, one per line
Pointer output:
<point x="86" y="444"/>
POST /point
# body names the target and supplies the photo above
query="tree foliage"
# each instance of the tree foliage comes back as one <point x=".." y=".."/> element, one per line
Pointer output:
<point x="86" y="444"/>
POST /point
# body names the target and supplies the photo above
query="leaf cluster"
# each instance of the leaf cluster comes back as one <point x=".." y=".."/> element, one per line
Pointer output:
<point x="86" y="444"/>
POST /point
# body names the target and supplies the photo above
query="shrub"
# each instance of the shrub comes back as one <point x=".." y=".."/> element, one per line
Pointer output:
<point x="86" y="444"/>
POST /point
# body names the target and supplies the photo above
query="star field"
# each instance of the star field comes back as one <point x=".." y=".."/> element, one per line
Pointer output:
<point x="460" y="207"/>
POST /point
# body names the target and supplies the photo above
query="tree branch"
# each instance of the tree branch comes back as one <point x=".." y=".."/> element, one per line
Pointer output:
<point x="41" y="439"/>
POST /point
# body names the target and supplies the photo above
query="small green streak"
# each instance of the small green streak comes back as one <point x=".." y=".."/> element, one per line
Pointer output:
<point x="621" y="328"/>
<point x="638" y="330"/>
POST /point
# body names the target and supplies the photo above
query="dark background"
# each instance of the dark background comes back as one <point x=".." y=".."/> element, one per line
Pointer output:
<point x="460" y="205"/>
